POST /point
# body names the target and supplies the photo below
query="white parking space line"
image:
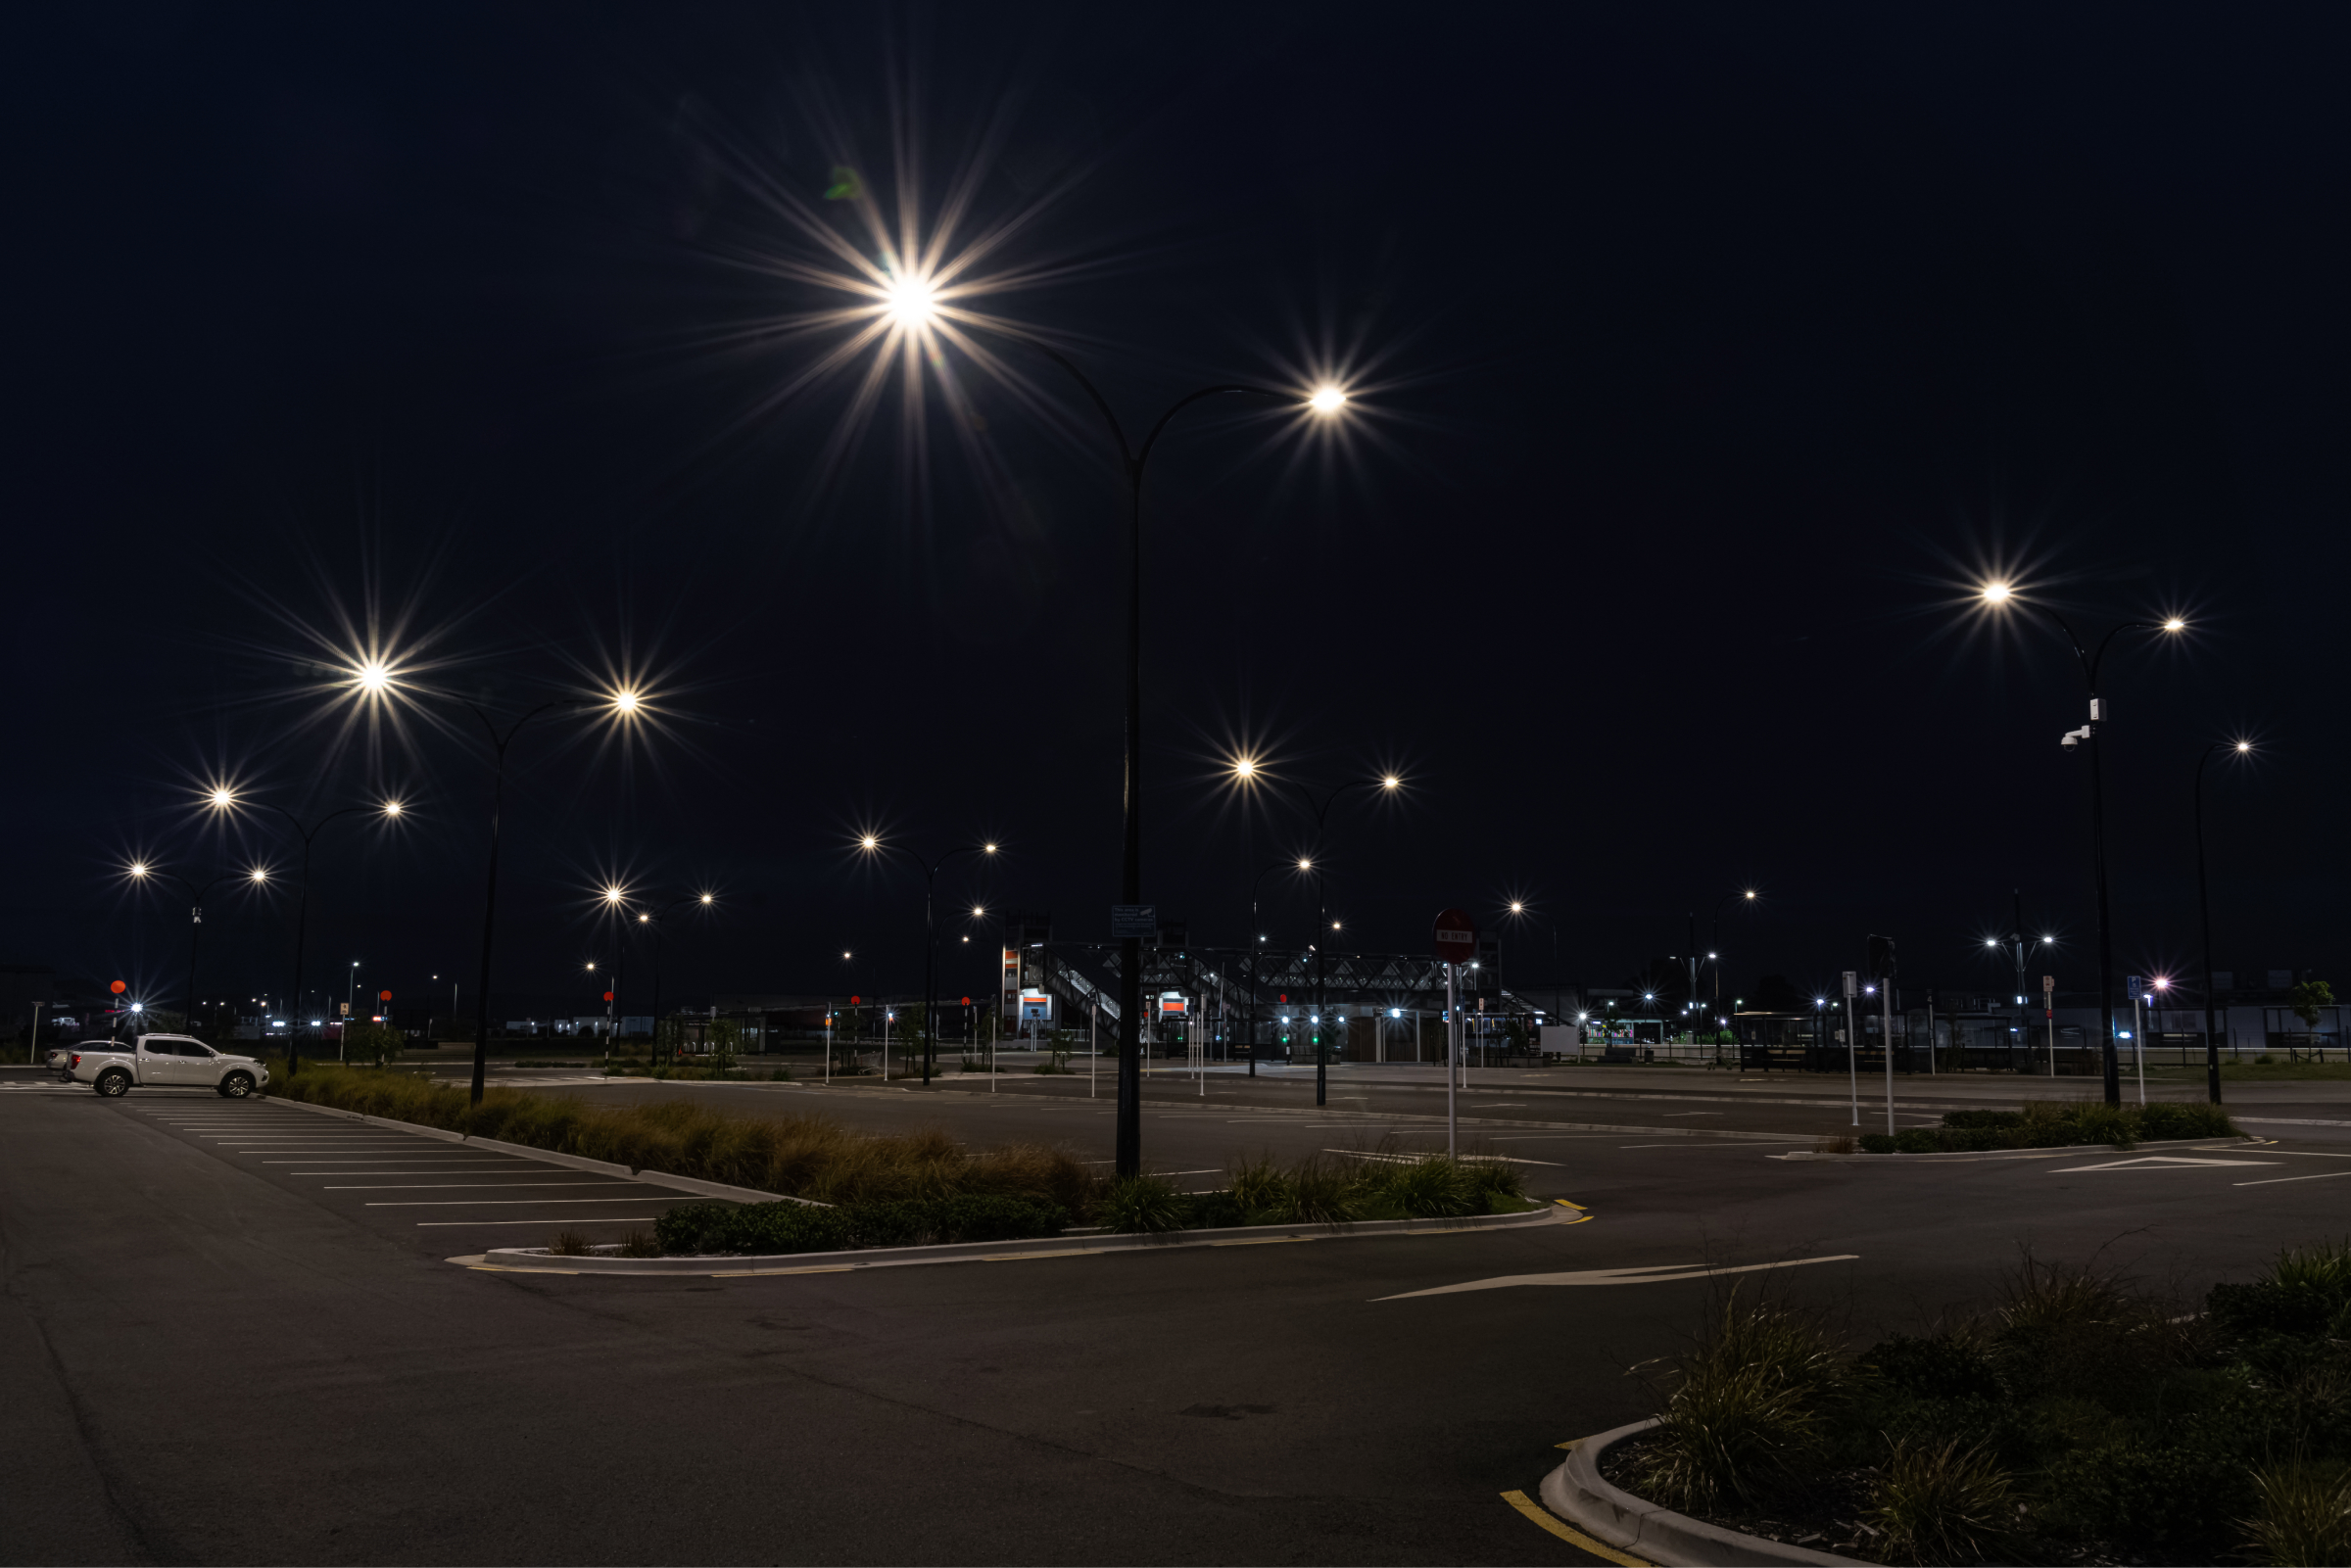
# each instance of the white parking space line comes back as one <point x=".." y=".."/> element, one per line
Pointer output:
<point x="429" y="1170"/>
<point x="494" y="1202"/>
<point x="576" y="1219"/>
<point x="2272" y="1181"/>
<point x="468" y="1186"/>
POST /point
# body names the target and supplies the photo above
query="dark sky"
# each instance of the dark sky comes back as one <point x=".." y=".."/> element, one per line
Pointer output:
<point x="1704" y="355"/>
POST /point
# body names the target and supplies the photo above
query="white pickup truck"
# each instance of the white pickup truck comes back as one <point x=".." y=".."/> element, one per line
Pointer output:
<point x="171" y="1060"/>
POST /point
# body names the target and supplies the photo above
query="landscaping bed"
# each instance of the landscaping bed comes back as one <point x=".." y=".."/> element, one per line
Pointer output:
<point x="2080" y="1420"/>
<point x="915" y="1183"/>
<point x="2056" y="1125"/>
<point x="1314" y="1191"/>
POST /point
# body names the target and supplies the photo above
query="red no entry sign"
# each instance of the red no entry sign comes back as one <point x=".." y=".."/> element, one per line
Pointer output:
<point x="1456" y="937"/>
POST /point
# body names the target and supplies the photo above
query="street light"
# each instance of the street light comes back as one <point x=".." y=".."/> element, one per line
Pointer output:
<point x="1257" y="948"/>
<point x="2212" y="1044"/>
<point x="140" y="872"/>
<point x="1387" y="784"/>
<point x="872" y="844"/>
<point x="226" y="799"/>
<point x="1133" y="460"/>
<point x="1999" y="596"/>
<point x="624" y="702"/>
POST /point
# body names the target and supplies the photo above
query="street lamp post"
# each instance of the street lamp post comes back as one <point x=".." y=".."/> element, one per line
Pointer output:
<point x="872" y="844"/>
<point x="624" y="702"/>
<point x="1248" y="771"/>
<point x="1133" y="460"/>
<point x="1742" y="897"/>
<point x="140" y="870"/>
<point x="389" y="809"/>
<point x="1257" y="946"/>
<point x="1998" y="594"/>
<point x="2212" y="1044"/>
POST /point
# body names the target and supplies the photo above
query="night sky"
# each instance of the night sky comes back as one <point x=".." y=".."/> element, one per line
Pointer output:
<point x="1702" y="359"/>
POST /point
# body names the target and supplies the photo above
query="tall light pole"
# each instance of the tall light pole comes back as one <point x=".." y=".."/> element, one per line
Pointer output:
<point x="873" y="844"/>
<point x="1248" y="771"/>
<point x="624" y="704"/>
<point x="653" y="920"/>
<point x="2000" y="595"/>
<point x="1257" y="943"/>
<point x="140" y="872"/>
<point x="1744" y="899"/>
<point x="389" y="809"/>
<point x="1133" y="460"/>
<point x="2212" y="1044"/>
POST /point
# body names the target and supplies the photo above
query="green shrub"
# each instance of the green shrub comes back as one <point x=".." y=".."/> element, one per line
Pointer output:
<point x="1983" y="1120"/>
<point x="2160" y="1120"/>
<point x="1940" y="1367"/>
<point x="790" y="1227"/>
<point x="1214" y="1210"/>
<point x="1142" y="1205"/>
<point x="2303" y="1514"/>
<point x="1944" y="1503"/>
<point x="2172" y="1503"/>
<point x="1878" y="1143"/>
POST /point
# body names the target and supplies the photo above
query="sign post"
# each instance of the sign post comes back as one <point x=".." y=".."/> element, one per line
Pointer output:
<point x="2048" y="1018"/>
<point x="2138" y="986"/>
<point x="1881" y="969"/>
<point x="1456" y="939"/>
<point x="1852" y="1067"/>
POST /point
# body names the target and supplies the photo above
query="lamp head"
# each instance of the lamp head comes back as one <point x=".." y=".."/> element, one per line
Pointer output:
<point x="260" y="873"/>
<point x="869" y="841"/>
<point x="705" y="898"/>
<point x="372" y="676"/>
<point x="1390" y="782"/>
<point x="1244" y="768"/>
<point x="1304" y="864"/>
<point x="910" y="302"/>
<point x="137" y="867"/>
<point x="393" y="808"/>
<point x="613" y="895"/>
<point x="223" y="798"/>
<point x="2244" y="747"/>
<point x="626" y="701"/>
<point x="1326" y="400"/>
<point x="2174" y="624"/>
<point x="1997" y="593"/>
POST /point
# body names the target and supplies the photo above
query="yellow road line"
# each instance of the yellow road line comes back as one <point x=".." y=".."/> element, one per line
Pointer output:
<point x="1574" y="1537"/>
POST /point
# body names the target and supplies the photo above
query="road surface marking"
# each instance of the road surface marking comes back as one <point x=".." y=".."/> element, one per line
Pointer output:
<point x="498" y="1203"/>
<point x="1569" y="1534"/>
<point x="2158" y="1163"/>
<point x="1652" y="1274"/>
<point x="2271" y="1181"/>
<point x="465" y="1186"/>
<point x="576" y="1219"/>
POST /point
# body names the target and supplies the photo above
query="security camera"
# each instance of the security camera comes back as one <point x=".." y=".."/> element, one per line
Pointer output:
<point x="2072" y="738"/>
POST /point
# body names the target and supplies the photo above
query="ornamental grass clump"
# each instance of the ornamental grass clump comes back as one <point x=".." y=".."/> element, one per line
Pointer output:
<point x="1142" y="1206"/>
<point x="1947" y="1502"/>
<point x="2304" y="1515"/>
<point x="1748" y="1411"/>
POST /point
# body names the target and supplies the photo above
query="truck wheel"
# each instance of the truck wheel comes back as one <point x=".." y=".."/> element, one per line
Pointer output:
<point x="113" y="1083"/>
<point x="237" y="1085"/>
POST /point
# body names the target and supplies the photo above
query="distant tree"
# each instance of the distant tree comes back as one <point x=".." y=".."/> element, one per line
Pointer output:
<point x="2307" y="998"/>
<point x="375" y="1044"/>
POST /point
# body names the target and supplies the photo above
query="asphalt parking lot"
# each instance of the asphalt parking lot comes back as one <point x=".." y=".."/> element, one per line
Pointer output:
<point x="235" y="1348"/>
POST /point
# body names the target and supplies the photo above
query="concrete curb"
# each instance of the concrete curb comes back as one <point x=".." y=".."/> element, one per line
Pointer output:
<point x="1577" y="1493"/>
<point x="553" y="1157"/>
<point x="529" y="1259"/>
<point x="716" y="1189"/>
<point x="2052" y="1152"/>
